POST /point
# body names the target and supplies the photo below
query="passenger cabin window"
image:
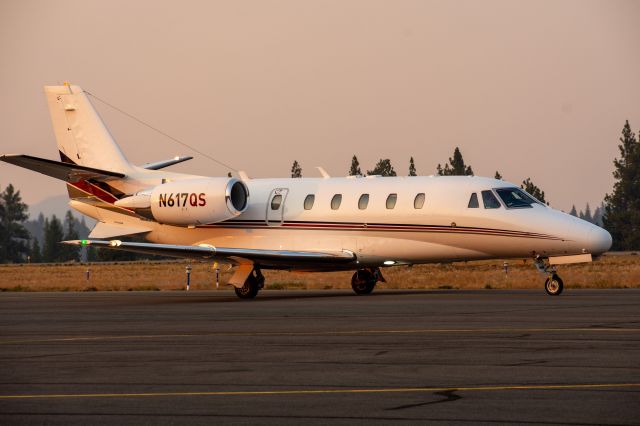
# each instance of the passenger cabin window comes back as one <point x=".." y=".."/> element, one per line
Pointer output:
<point x="308" y="201"/>
<point x="418" y="202"/>
<point x="490" y="201"/>
<point x="276" y="202"/>
<point x="391" y="201"/>
<point x="363" y="202"/>
<point x="473" y="201"/>
<point x="335" y="201"/>
<point x="515" y="198"/>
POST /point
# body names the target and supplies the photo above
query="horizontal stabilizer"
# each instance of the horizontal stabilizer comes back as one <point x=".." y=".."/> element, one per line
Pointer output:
<point x="110" y="230"/>
<point x="166" y="163"/>
<point x="64" y="171"/>
<point x="204" y="251"/>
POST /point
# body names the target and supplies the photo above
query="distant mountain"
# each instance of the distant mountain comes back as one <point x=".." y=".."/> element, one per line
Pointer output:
<point x="57" y="205"/>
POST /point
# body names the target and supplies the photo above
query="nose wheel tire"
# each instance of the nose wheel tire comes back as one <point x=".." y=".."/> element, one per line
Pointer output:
<point x="363" y="282"/>
<point x="553" y="285"/>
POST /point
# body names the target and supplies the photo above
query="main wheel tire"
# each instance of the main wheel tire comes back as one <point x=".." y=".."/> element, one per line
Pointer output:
<point x="363" y="282"/>
<point x="250" y="288"/>
<point x="553" y="285"/>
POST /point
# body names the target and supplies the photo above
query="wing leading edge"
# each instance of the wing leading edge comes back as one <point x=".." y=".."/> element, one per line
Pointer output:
<point x="231" y="254"/>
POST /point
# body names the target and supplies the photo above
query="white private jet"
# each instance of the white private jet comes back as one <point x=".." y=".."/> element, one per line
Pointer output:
<point x="308" y="224"/>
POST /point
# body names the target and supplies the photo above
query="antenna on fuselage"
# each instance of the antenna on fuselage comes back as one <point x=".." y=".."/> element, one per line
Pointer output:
<point x="323" y="172"/>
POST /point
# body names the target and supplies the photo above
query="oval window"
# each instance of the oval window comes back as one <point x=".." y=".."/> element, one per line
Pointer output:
<point x="418" y="202"/>
<point x="308" y="201"/>
<point x="276" y="202"/>
<point x="391" y="201"/>
<point x="363" y="202"/>
<point x="335" y="201"/>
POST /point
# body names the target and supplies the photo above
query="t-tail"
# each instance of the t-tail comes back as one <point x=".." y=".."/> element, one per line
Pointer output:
<point x="81" y="135"/>
<point x="96" y="171"/>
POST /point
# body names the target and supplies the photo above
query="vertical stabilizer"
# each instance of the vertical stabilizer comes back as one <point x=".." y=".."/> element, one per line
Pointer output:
<point x="81" y="135"/>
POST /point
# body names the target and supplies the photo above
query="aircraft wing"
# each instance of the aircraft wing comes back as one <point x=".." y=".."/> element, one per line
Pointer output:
<point x="59" y="170"/>
<point x="230" y="254"/>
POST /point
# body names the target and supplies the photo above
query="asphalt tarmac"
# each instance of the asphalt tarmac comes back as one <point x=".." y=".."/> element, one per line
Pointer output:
<point x="317" y="357"/>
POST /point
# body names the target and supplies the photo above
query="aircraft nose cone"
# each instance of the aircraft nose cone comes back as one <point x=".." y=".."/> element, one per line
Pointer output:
<point x="599" y="240"/>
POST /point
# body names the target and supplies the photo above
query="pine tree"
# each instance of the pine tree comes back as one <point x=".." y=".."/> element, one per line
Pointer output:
<point x="533" y="190"/>
<point x="296" y="170"/>
<point x="69" y="252"/>
<point x="35" y="253"/>
<point x="383" y="168"/>
<point x="498" y="175"/>
<point x="573" y="211"/>
<point x="456" y="166"/>
<point x="53" y="234"/>
<point x="412" y="168"/>
<point x="587" y="214"/>
<point x="622" y="210"/>
<point x="14" y="238"/>
<point x="355" y="167"/>
<point x="597" y="214"/>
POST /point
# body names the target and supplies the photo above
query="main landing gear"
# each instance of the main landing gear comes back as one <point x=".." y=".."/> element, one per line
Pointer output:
<point x="553" y="285"/>
<point x="364" y="280"/>
<point x="253" y="284"/>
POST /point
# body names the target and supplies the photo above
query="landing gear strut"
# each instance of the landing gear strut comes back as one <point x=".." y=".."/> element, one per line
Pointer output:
<point x="553" y="284"/>
<point x="253" y="284"/>
<point x="364" y="280"/>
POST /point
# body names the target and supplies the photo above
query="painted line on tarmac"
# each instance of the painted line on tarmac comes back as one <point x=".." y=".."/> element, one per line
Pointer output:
<point x="326" y="333"/>
<point x="332" y="391"/>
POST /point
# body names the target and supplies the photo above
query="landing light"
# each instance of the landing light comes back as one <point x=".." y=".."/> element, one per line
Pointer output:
<point x="389" y="262"/>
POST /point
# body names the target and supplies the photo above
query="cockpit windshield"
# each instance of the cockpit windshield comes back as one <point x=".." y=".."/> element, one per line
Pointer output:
<point x="515" y="198"/>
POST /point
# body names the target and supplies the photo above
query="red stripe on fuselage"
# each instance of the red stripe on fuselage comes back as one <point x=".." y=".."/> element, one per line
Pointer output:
<point x="381" y="227"/>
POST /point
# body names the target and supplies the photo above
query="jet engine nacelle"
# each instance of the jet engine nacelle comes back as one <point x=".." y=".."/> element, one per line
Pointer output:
<point x="198" y="201"/>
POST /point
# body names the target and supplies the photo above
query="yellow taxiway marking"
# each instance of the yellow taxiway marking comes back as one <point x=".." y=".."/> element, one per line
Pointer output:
<point x="326" y="333"/>
<point x="331" y="391"/>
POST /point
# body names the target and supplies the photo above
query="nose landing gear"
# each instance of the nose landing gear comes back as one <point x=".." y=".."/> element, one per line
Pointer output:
<point x="553" y="285"/>
<point x="364" y="280"/>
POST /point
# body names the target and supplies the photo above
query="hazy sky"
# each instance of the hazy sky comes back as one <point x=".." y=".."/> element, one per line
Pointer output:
<point x="535" y="89"/>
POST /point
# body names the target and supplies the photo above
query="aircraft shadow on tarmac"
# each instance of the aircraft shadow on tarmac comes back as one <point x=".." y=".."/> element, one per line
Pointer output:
<point x="272" y="295"/>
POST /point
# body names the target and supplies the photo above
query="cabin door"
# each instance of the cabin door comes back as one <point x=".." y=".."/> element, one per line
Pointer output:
<point x="275" y="206"/>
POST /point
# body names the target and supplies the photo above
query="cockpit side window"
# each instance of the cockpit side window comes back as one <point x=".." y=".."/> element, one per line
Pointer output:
<point x="490" y="201"/>
<point x="515" y="198"/>
<point x="473" y="201"/>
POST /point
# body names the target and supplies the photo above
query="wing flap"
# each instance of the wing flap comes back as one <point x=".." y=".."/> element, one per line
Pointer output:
<point x="64" y="171"/>
<point x="109" y="230"/>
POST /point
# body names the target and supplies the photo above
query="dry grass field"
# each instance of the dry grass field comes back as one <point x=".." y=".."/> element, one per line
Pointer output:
<point x="610" y="271"/>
